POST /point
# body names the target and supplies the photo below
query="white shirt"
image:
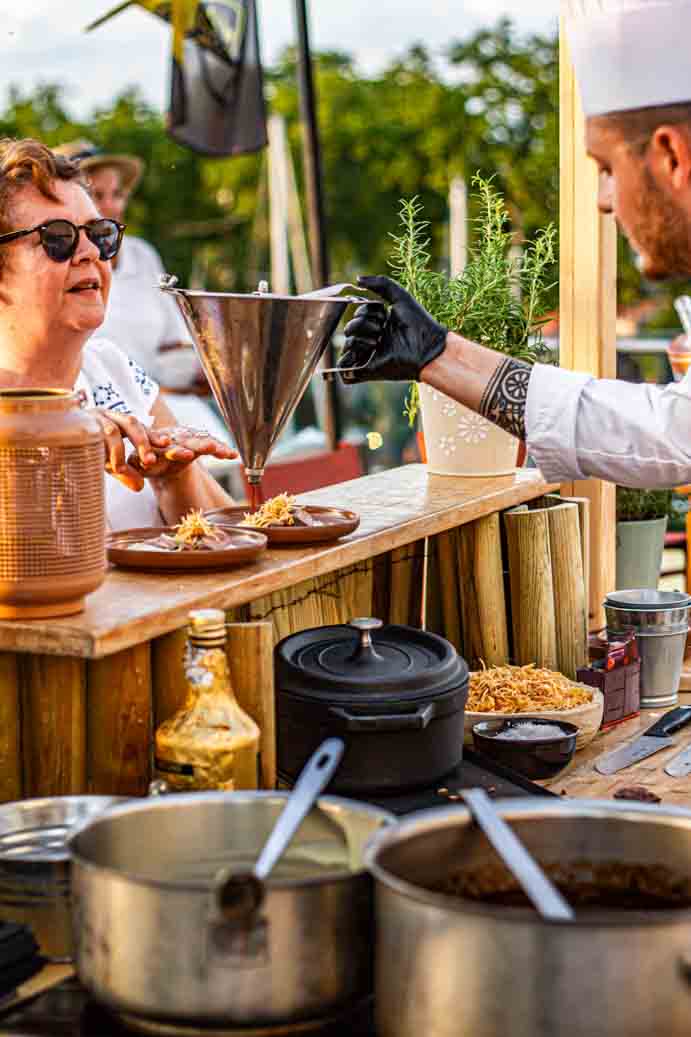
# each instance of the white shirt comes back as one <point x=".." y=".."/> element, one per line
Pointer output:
<point x="634" y="435"/>
<point x="145" y="318"/>
<point x="114" y="382"/>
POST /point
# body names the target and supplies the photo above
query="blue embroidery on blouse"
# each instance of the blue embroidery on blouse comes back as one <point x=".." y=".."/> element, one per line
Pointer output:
<point x="106" y="395"/>
<point x="142" y="379"/>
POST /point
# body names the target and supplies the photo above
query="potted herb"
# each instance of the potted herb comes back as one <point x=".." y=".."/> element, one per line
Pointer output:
<point x="498" y="301"/>
<point x="641" y="526"/>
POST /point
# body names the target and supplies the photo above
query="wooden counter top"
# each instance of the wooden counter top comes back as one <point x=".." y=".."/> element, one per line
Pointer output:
<point x="582" y="781"/>
<point x="396" y="507"/>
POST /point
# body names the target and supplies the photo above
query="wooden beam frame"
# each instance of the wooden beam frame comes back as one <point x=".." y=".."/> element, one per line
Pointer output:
<point x="587" y="309"/>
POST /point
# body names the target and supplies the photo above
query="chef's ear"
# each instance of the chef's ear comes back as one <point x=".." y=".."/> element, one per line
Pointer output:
<point x="669" y="154"/>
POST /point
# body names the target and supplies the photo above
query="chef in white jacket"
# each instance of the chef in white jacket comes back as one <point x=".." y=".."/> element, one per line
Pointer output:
<point x="631" y="61"/>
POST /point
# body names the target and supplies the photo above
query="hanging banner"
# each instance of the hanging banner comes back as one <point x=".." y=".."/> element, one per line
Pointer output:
<point x="217" y="97"/>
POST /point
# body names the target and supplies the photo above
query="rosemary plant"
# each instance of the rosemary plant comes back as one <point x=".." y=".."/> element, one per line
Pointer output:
<point x="496" y="301"/>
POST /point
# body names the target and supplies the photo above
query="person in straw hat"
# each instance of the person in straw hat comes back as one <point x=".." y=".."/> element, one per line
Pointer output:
<point x="143" y="321"/>
<point x="630" y="65"/>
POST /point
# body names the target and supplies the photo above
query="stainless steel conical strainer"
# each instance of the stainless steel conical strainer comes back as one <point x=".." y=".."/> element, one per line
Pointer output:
<point x="259" y="352"/>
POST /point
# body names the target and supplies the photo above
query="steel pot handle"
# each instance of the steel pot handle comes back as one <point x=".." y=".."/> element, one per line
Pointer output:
<point x="416" y="721"/>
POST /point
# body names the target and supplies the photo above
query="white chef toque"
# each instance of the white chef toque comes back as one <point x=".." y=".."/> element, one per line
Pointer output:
<point x="630" y="53"/>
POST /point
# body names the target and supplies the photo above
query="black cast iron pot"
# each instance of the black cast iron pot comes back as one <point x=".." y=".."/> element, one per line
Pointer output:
<point x="396" y="695"/>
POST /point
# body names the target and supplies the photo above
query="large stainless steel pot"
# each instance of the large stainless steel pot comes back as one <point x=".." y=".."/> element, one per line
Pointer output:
<point x="448" y="966"/>
<point x="149" y="937"/>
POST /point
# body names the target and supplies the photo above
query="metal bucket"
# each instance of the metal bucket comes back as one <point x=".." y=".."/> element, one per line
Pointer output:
<point x="35" y="865"/>
<point x="660" y="621"/>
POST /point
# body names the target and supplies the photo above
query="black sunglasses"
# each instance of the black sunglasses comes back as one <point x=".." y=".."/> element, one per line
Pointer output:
<point x="60" y="237"/>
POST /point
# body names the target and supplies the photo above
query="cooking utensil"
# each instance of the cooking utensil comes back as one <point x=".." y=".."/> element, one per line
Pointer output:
<point x="152" y="942"/>
<point x="330" y="524"/>
<point x="259" y="352"/>
<point x="545" y="896"/>
<point x="395" y="694"/>
<point x="680" y="765"/>
<point x="534" y="758"/>
<point x="449" y="965"/>
<point x="660" y="621"/>
<point x="240" y="894"/>
<point x="125" y="549"/>
<point x="35" y="864"/>
<point x="651" y="741"/>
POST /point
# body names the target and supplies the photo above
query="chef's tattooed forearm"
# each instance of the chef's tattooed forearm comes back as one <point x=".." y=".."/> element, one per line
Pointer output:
<point x="504" y="399"/>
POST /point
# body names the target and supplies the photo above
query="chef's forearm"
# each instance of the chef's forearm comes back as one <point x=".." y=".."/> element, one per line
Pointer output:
<point x="488" y="382"/>
<point x="194" y="487"/>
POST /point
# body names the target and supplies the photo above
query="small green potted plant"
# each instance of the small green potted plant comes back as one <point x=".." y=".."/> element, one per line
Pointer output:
<point x="641" y="526"/>
<point x="498" y="301"/>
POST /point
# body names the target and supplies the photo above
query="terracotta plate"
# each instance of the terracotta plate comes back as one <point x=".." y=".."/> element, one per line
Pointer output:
<point x="332" y="523"/>
<point x="245" y="545"/>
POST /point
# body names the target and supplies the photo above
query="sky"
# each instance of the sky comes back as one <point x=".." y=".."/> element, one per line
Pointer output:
<point x="43" y="40"/>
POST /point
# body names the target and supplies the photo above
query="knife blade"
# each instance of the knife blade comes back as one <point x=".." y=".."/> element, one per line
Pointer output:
<point x="651" y="741"/>
<point x="680" y="765"/>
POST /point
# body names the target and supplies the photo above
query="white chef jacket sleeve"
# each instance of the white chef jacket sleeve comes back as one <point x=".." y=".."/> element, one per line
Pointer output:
<point x="635" y="435"/>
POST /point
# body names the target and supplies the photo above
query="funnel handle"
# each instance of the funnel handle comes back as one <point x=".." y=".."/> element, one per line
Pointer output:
<point x="167" y="283"/>
<point x="329" y="373"/>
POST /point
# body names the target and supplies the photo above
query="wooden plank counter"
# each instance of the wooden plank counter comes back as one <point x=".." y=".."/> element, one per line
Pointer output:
<point x="582" y="781"/>
<point x="80" y="696"/>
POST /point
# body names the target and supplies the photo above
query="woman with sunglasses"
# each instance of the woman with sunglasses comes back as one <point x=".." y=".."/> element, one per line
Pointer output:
<point x="55" y="276"/>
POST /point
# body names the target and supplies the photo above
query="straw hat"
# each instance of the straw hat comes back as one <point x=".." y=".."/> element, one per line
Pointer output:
<point x="91" y="157"/>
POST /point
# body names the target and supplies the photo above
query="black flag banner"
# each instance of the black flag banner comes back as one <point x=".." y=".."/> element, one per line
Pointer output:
<point x="217" y="97"/>
<point x="217" y="92"/>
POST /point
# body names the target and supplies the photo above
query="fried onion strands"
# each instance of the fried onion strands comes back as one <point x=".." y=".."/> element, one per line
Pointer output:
<point x="522" y="689"/>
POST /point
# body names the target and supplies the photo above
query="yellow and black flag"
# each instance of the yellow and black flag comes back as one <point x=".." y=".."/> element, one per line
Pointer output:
<point x="217" y="98"/>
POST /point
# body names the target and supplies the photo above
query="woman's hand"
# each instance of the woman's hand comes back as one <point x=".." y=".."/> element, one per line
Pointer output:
<point x="180" y="448"/>
<point x="148" y="444"/>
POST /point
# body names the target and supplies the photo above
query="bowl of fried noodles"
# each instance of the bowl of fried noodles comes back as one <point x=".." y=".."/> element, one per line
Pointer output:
<point x="501" y="692"/>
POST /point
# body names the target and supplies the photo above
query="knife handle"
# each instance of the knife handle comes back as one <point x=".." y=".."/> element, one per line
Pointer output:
<point x="670" y="722"/>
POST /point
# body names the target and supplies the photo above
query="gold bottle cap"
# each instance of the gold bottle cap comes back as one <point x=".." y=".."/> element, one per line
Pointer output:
<point x="207" y="624"/>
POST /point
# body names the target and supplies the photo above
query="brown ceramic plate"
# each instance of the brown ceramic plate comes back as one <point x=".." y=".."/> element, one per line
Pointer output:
<point x="332" y="523"/>
<point x="245" y="545"/>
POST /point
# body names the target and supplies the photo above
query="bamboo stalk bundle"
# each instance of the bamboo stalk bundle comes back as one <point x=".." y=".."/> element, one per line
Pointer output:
<point x="570" y="603"/>
<point x="583" y="505"/>
<point x="532" y="588"/>
<point x="481" y="592"/>
<point x="250" y="659"/>
<point x="10" y="733"/>
<point x="120" y="722"/>
<point x="54" y="735"/>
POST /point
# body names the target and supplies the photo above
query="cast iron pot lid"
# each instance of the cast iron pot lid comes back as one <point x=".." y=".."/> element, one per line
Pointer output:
<point x="368" y="661"/>
<point x="648" y="600"/>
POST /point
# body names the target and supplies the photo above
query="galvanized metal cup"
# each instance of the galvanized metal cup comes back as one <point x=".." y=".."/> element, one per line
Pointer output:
<point x="660" y="621"/>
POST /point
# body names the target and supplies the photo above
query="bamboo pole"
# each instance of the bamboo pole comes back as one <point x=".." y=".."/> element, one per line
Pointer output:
<point x="54" y="736"/>
<point x="448" y="588"/>
<point x="433" y="613"/>
<point x="532" y="589"/>
<point x="481" y="587"/>
<point x="250" y="659"/>
<point x="583" y="505"/>
<point x="570" y="607"/>
<point x="10" y="732"/>
<point x="120" y="722"/>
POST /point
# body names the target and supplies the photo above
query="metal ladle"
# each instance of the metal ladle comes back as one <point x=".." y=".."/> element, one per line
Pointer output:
<point x="540" y="890"/>
<point x="240" y="894"/>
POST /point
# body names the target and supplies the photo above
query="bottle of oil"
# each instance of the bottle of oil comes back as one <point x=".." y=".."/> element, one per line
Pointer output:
<point x="210" y="743"/>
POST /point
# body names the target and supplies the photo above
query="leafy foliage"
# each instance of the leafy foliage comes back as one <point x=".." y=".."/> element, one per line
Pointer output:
<point x="639" y="505"/>
<point x="496" y="300"/>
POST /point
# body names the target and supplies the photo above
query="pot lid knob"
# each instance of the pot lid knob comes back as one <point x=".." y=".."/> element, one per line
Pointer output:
<point x="365" y="651"/>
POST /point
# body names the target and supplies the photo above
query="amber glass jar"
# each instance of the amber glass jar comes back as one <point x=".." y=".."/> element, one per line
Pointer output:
<point x="52" y="503"/>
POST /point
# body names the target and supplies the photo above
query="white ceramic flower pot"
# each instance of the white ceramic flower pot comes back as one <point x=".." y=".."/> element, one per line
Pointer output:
<point x="460" y="442"/>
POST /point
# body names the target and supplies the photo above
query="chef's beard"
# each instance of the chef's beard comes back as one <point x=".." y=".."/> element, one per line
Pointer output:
<point x="661" y="234"/>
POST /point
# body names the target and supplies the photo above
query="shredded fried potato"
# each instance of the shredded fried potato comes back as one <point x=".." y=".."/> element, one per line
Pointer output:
<point x="193" y="527"/>
<point x="522" y="689"/>
<point x="277" y="511"/>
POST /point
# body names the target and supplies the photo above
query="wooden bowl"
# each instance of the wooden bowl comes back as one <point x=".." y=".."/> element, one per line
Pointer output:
<point x="587" y="717"/>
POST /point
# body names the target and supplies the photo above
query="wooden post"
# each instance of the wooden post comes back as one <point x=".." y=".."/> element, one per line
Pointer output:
<point x="532" y="590"/>
<point x="10" y="732"/>
<point x="278" y="206"/>
<point x="251" y="661"/>
<point x="481" y="587"/>
<point x="587" y="309"/>
<point x="570" y="610"/>
<point x="53" y="708"/>
<point x="120" y="722"/>
<point x="458" y="226"/>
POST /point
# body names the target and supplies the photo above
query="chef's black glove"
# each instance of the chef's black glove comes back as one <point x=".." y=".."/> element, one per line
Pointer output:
<point x="404" y="339"/>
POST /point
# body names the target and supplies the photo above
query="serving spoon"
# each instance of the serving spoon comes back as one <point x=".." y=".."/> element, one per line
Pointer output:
<point x="539" y="889"/>
<point x="239" y="894"/>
